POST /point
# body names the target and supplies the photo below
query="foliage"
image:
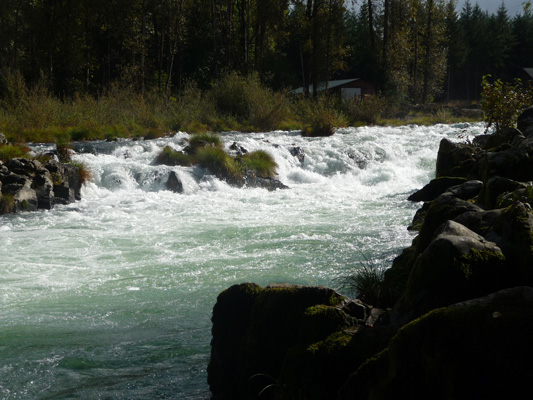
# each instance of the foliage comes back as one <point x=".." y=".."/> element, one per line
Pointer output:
<point x="201" y="140"/>
<point x="321" y="117"/>
<point x="169" y="156"/>
<point x="8" y="151"/>
<point x="365" y="111"/>
<point x="247" y="100"/>
<point x="219" y="163"/>
<point x="260" y="162"/>
<point x="502" y="102"/>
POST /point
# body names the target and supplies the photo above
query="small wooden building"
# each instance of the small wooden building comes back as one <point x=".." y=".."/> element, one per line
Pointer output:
<point x="345" y="88"/>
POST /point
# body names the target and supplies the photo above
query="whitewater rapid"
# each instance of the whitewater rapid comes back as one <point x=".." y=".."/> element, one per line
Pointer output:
<point x="111" y="297"/>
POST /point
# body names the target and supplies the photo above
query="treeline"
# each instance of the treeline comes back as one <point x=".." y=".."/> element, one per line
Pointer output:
<point x="415" y="51"/>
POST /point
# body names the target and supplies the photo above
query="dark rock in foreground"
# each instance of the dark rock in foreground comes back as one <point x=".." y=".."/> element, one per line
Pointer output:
<point x="479" y="349"/>
<point x="278" y="340"/>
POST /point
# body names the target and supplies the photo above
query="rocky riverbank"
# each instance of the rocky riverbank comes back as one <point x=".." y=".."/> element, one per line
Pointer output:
<point x="29" y="185"/>
<point x="454" y="314"/>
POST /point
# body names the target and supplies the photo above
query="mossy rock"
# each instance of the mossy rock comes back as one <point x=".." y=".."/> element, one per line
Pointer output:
<point x="200" y="140"/>
<point x="444" y="208"/>
<point x="514" y="234"/>
<point x="456" y="159"/>
<point x="495" y="187"/>
<point x="514" y="163"/>
<point x="254" y="328"/>
<point x="221" y="164"/>
<point x="523" y="195"/>
<point x="318" y="371"/>
<point x="477" y="349"/>
<point x="456" y="266"/>
<point x="319" y="321"/>
<point x="231" y="318"/>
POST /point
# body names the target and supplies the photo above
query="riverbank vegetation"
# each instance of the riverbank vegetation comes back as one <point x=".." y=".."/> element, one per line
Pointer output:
<point x="235" y="103"/>
<point x="130" y="68"/>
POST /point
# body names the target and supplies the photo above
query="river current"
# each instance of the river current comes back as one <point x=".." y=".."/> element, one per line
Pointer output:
<point x="111" y="297"/>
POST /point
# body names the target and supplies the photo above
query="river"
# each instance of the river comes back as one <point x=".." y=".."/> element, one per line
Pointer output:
<point x="111" y="297"/>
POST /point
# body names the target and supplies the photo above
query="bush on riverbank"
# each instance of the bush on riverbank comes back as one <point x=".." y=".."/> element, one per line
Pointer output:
<point x="8" y="151"/>
<point x="32" y="114"/>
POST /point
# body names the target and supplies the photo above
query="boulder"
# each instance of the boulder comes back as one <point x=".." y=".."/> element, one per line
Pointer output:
<point x="456" y="159"/>
<point x="3" y="139"/>
<point x="514" y="163"/>
<point x="435" y="188"/>
<point x="237" y="149"/>
<point x="495" y="187"/>
<point x="258" y="334"/>
<point x="513" y="232"/>
<point x="298" y="152"/>
<point x="466" y="191"/>
<point x="444" y="208"/>
<point x="67" y="183"/>
<point x="457" y="265"/>
<point x="174" y="183"/>
<point x="44" y="188"/>
<point x="478" y="349"/>
<point x="252" y="180"/>
<point x="522" y="195"/>
<point x="502" y="137"/>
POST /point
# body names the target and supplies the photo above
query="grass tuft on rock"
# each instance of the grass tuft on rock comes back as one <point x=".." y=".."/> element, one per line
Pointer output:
<point x="171" y="157"/>
<point x="261" y="163"/>
<point x="219" y="163"/>
<point x="202" y="140"/>
<point x="367" y="282"/>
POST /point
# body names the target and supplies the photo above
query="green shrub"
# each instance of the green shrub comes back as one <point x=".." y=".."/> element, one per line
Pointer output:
<point x="260" y="162"/>
<point x="249" y="102"/>
<point x="321" y="117"/>
<point x="365" y="111"/>
<point x="8" y="151"/>
<point x="219" y="163"/>
<point x="202" y="140"/>
<point x="502" y="102"/>
<point x="169" y="156"/>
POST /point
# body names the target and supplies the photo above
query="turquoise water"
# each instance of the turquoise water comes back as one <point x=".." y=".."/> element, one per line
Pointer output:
<point x="111" y="297"/>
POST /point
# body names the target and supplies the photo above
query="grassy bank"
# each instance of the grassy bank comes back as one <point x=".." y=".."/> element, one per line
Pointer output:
<point x="234" y="103"/>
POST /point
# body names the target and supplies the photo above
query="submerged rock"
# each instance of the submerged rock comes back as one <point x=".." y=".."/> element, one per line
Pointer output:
<point x="298" y="152"/>
<point x="174" y="183"/>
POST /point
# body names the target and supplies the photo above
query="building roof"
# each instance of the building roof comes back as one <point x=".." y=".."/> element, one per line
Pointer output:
<point x="529" y="71"/>
<point x="322" y="85"/>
